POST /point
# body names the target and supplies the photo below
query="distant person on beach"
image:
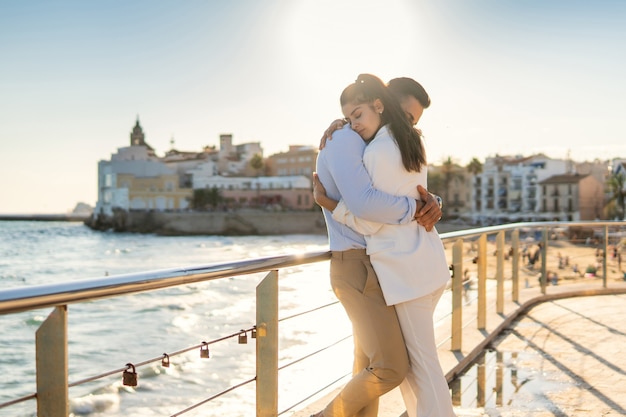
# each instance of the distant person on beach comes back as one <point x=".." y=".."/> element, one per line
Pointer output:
<point x="409" y="260"/>
<point x="467" y="285"/>
<point x="532" y="260"/>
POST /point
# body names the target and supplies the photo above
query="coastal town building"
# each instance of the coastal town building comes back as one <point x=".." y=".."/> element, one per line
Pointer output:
<point x="538" y="188"/>
<point x="293" y="192"/>
<point x="453" y="183"/>
<point x="298" y="160"/>
<point x="235" y="159"/>
<point x="618" y="167"/>
<point x="509" y="188"/>
<point x="571" y="197"/>
<point x="135" y="178"/>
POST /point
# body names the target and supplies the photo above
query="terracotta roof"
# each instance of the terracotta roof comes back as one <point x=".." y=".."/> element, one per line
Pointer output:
<point x="563" y="179"/>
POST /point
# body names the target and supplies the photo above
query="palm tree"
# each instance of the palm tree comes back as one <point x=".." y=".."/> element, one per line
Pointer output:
<point x="474" y="167"/>
<point x="203" y="198"/>
<point x="449" y="173"/>
<point x="616" y="186"/>
<point x="256" y="163"/>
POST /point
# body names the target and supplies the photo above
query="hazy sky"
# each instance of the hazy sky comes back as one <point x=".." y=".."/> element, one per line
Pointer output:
<point x="505" y="76"/>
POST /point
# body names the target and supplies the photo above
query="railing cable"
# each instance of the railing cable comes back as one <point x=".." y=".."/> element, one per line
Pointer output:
<point x="157" y="359"/>
<point x="315" y="393"/>
<point x="219" y="394"/>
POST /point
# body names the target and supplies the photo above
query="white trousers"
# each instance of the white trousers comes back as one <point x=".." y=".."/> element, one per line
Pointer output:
<point x="425" y="390"/>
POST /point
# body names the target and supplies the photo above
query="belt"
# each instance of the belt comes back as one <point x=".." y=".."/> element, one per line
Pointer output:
<point x="348" y="254"/>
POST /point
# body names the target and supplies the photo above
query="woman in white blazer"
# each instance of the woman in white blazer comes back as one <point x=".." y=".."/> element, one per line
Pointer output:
<point x="409" y="261"/>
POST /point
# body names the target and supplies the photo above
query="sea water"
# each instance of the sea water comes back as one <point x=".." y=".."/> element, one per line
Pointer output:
<point x="106" y="334"/>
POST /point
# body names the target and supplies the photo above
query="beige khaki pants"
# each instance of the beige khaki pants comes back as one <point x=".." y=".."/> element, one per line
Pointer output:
<point x="380" y="356"/>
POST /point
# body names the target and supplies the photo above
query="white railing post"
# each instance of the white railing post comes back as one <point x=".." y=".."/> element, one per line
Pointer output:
<point x="267" y="346"/>
<point x="605" y="253"/>
<point x="481" y="321"/>
<point x="500" y="272"/>
<point x="515" y="266"/>
<point x="51" y="363"/>
<point x="457" y="295"/>
<point x="544" y="260"/>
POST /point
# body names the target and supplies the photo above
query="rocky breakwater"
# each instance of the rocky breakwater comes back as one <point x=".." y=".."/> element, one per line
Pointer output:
<point x="226" y="223"/>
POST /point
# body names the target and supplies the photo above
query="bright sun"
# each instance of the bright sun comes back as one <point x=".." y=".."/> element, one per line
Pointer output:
<point x="335" y="41"/>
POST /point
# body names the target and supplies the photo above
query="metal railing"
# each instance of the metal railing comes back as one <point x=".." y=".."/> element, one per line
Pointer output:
<point x="51" y="337"/>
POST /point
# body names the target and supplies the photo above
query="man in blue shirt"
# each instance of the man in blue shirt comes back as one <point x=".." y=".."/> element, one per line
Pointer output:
<point x="380" y="356"/>
<point x="381" y="361"/>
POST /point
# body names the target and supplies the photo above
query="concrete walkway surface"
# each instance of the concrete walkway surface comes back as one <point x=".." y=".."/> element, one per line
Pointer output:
<point x="559" y="354"/>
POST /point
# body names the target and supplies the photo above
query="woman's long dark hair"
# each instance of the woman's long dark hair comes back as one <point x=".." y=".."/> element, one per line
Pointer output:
<point x="368" y="88"/>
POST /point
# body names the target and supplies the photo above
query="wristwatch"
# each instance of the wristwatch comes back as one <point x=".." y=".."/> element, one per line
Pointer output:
<point x="439" y="200"/>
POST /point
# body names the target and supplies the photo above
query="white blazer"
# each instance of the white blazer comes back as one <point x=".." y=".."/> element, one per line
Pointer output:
<point x="409" y="261"/>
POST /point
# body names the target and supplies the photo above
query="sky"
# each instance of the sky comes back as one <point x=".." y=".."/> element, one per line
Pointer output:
<point x="505" y="77"/>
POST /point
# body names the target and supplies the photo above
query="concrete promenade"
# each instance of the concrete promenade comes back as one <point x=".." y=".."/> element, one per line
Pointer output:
<point x="564" y="353"/>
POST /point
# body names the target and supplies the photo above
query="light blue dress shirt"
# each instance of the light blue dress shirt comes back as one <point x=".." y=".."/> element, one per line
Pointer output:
<point x="341" y="171"/>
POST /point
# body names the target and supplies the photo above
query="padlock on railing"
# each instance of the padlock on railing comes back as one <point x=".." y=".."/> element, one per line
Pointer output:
<point x="253" y="333"/>
<point x="204" y="350"/>
<point x="243" y="337"/>
<point x="129" y="377"/>
<point x="165" y="362"/>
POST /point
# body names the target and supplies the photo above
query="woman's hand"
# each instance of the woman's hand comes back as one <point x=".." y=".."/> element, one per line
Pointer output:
<point x="319" y="194"/>
<point x="328" y="133"/>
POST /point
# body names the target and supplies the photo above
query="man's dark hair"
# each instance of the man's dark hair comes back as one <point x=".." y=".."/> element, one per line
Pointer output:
<point x="403" y="87"/>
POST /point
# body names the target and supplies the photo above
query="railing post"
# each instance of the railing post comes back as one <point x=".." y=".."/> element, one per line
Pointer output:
<point x="481" y="381"/>
<point x="500" y="272"/>
<point x="544" y="258"/>
<point x="51" y="362"/>
<point x="515" y="266"/>
<point x="457" y="295"/>
<point x="605" y="253"/>
<point x="481" y="320"/>
<point x="267" y="346"/>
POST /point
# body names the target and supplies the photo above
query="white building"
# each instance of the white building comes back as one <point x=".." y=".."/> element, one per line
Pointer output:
<point x="508" y="190"/>
<point x="249" y="183"/>
<point x="114" y="184"/>
<point x="235" y="159"/>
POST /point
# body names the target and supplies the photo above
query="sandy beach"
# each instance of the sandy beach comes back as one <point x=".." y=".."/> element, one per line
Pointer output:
<point x="569" y="261"/>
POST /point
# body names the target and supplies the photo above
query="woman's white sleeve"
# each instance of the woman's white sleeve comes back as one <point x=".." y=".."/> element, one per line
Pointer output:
<point x="345" y="216"/>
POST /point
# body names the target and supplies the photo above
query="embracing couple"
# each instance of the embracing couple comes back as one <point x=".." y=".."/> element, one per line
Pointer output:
<point x="388" y="266"/>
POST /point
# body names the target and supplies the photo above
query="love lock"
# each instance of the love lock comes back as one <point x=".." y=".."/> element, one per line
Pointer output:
<point x="243" y="337"/>
<point x="129" y="377"/>
<point x="204" y="350"/>
<point x="165" y="362"/>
